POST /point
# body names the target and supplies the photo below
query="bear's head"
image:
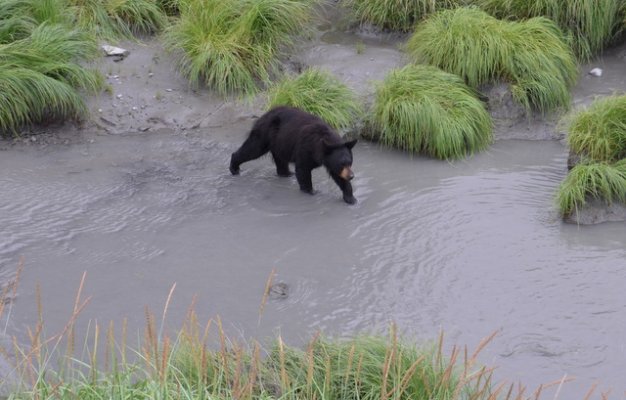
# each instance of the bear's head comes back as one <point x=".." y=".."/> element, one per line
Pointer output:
<point x="338" y="159"/>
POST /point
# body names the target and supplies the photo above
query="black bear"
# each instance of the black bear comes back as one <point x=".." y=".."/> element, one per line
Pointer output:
<point x="295" y="136"/>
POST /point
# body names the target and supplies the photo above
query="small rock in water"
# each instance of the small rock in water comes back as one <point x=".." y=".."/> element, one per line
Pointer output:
<point x="596" y="72"/>
<point x="279" y="290"/>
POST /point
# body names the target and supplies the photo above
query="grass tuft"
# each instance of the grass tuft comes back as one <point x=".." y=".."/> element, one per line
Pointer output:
<point x="113" y="19"/>
<point x="422" y="109"/>
<point x="532" y="55"/>
<point x="365" y="367"/>
<point x="107" y="19"/>
<point x="591" y="24"/>
<point x="599" y="132"/>
<point x="18" y="18"/>
<point x="396" y="15"/>
<point x="40" y="78"/>
<point x="232" y="45"/>
<point x="320" y="93"/>
<point x="600" y="181"/>
<point x="202" y="362"/>
<point x="133" y="17"/>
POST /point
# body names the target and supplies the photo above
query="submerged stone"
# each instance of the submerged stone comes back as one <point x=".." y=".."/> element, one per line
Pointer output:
<point x="596" y="212"/>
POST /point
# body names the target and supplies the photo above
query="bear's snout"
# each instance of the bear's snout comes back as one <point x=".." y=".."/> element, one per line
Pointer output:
<point x="346" y="174"/>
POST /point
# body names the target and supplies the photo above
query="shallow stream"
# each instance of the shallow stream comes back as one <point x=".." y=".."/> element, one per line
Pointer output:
<point x="467" y="248"/>
<point x="470" y="248"/>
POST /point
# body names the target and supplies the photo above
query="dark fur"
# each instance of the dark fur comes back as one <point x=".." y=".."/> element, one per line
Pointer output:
<point x="295" y="136"/>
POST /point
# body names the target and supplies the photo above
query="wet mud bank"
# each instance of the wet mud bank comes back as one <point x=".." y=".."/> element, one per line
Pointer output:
<point x="140" y="197"/>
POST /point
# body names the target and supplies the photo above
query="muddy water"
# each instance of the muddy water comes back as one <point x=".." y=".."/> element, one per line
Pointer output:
<point x="469" y="247"/>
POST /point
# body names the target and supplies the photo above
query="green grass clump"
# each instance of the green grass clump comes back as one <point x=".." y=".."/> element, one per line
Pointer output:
<point x="590" y="23"/>
<point x="364" y="368"/>
<point x="601" y="181"/>
<point x="532" y="55"/>
<point x="40" y="78"/>
<point x="39" y="11"/>
<point x="131" y="17"/>
<point x="18" y="18"/>
<point x="320" y="93"/>
<point x="232" y="45"/>
<point x="113" y="19"/>
<point x="425" y="110"/>
<point x="396" y="15"/>
<point x="599" y="132"/>
<point x="107" y="19"/>
<point x="201" y="362"/>
<point x="15" y="27"/>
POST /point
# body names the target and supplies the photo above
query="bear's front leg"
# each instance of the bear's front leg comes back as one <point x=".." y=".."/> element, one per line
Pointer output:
<point x="346" y="189"/>
<point x="303" y="175"/>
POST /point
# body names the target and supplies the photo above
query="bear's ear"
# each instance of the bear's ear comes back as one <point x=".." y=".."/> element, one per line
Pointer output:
<point x="351" y="144"/>
<point x="328" y="147"/>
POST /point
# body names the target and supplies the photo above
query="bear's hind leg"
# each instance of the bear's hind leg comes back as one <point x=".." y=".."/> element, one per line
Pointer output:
<point x="282" y="167"/>
<point x="251" y="149"/>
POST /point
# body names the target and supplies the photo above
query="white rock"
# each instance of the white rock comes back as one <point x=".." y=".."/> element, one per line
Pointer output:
<point x="114" y="51"/>
<point x="596" y="72"/>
